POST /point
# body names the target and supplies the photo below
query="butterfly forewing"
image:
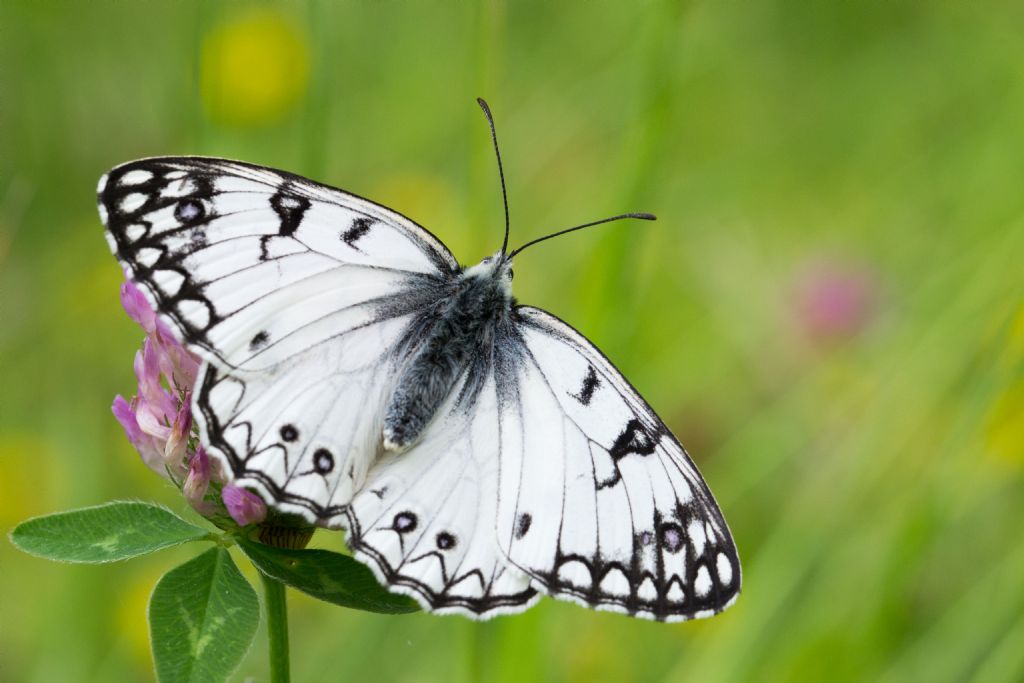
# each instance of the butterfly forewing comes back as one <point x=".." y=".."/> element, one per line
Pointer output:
<point x="599" y="502"/>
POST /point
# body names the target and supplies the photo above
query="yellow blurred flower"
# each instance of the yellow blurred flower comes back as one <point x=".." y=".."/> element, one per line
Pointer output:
<point x="1015" y="347"/>
<point x="1005" y="424"/>
<point x="30" y="476"/>
<point x="253" y="69"/>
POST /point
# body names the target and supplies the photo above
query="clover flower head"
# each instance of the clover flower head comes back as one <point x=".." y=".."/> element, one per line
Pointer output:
<point x="158" y="419"/>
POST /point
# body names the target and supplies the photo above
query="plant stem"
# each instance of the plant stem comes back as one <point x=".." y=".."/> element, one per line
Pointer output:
<point x="277" y="628"/>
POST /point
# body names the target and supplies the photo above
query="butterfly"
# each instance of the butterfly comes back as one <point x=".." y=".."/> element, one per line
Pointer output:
<point x="478" y="453"/>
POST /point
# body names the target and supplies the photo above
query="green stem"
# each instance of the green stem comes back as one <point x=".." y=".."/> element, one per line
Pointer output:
<point x="277" y="628"/>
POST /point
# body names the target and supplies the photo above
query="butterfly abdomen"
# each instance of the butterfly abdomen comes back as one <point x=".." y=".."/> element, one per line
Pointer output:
<point x="462" y="329"/>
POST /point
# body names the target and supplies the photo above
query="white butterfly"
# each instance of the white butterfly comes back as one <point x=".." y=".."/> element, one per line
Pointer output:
<point x="478" y="453"/>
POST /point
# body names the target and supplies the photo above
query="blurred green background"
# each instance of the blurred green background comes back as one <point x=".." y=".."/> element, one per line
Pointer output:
<point x="828" y="312"/>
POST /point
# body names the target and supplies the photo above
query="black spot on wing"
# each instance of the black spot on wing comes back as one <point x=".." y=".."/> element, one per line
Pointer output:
<point x="259" y="340"/>
<point x="360" y="226"/>
<point x="445" y="541"/>
<point x="290" y="208"/>
<point x="289" y="433"/>
<point x="404" y="522"/>
<point x="523" y="525"/>
<point x="190" y="211"/>
<point x="672" y="537"/>
<point x="590" y="384"/>
<point x="634" y="439"/>
<point x="323" y="461"/>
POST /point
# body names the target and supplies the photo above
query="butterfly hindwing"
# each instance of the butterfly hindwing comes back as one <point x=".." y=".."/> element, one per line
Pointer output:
<point x="425" y="519"/>
<point x="598" y="501"/>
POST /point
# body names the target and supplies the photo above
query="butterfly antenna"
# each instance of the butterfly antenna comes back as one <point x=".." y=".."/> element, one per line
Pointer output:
<point x="501" y="172"/>
<point x="641" y="216"/>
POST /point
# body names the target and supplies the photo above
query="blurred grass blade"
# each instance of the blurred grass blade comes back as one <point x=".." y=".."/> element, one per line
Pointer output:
<point x="105" y="533"/>
<point x="328" y="576"/>
<point x="202" y="619"/>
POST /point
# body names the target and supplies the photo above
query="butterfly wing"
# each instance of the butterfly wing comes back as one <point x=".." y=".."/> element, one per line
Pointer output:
<point x="425" y="520"/>
<point x="599" y="503"/>
<point x="298" y="296"/>
<point x="224" y="248"/>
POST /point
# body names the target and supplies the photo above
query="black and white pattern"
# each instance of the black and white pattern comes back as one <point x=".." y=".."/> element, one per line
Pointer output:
<point x="478" y="454"/>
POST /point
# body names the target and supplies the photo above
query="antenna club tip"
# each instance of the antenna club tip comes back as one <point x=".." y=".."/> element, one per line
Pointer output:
<point x="645" y="216"/>
<point x="483" y="104"/>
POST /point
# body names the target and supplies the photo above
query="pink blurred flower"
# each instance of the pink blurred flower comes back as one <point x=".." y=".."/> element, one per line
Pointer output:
<point x="244" y="506"/>
<point x="138" y="309"/>
<point x="834" y="301"/>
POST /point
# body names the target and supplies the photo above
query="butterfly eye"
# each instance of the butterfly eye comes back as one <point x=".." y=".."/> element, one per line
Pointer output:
<point x="511" y="274"/>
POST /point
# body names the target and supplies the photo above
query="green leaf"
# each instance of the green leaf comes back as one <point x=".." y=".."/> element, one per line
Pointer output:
<point x="114" y="531"/>
<point x="202" y="619"/>
<point x="328" y="576"/>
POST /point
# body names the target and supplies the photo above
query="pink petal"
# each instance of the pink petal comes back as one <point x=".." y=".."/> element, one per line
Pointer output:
<point x="145" y="444"/>
<point x="149" y="380"/>
<point x="244" y="506"/>
<point x="174" y="449"/>
<point x="163" y="331"/>
<point x="126" y="416"/>
<point x="198" y="480"/>
<point x="136" y="306"/>
<point x="152" y="419"/>
<point x="187" y="369"/>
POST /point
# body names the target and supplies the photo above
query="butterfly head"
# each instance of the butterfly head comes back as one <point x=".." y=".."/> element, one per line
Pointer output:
<point x="496" y="268"/>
